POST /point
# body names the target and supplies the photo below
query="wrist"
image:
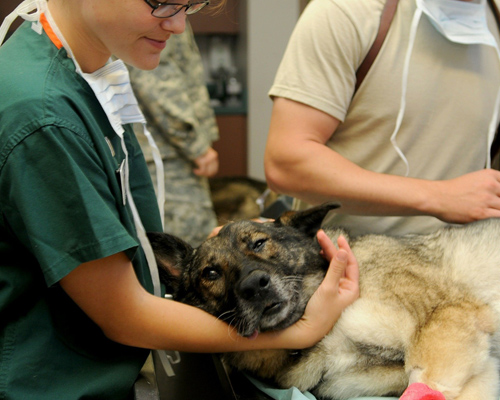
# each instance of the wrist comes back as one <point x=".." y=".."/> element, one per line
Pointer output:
<point x="426" y="199"/>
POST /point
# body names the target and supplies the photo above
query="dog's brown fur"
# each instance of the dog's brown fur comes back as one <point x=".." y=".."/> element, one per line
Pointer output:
<point x="427" y="312"/>
<point x="236" y="198"/>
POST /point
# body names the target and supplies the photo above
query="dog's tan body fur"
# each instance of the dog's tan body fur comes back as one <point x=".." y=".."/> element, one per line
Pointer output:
<point x="428" y="312"/>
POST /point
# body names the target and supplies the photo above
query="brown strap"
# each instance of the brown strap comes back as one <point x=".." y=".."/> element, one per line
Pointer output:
<point x="385" y="22"/>
<point x="496" y="13"/>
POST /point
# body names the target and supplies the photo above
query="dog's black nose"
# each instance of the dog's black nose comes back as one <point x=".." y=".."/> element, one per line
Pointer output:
<point x="255" y="285"/>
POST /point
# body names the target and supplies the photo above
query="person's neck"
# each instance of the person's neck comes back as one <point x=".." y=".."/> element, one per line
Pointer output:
<point x="67" y="16"/>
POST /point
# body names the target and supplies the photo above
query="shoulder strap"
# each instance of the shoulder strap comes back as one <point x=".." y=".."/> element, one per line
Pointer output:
<point x="496" y="13"/>
<point x="385" y="22"/>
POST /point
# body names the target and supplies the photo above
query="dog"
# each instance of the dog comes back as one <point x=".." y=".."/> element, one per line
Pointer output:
<point x="237" y="197"/>
<point x="427" y="312"/>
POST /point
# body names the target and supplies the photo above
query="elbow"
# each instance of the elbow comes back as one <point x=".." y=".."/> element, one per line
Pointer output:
<point x="127" y="331"/>
<point x="127" y="337"/>
<point x="117" y="335"/>
<point x="278" y="177"/>
<point x="274" y="183"/>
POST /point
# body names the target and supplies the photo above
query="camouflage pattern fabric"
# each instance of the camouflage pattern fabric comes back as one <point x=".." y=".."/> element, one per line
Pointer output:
<point x="175" y="102"/>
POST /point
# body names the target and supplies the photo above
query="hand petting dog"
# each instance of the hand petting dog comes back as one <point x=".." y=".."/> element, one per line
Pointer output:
<point x="339" y="288"/>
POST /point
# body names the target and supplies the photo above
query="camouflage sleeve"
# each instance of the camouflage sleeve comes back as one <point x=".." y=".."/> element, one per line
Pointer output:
<point x="175" y="100"/>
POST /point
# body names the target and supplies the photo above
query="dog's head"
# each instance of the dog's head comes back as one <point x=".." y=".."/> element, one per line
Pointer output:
<point x="255" y="276"/>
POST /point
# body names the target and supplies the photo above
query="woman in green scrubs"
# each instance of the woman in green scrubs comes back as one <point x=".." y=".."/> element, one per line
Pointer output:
<point x="77" y="313"/>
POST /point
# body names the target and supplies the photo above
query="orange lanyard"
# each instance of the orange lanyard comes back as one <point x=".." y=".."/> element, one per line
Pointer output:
<point x="48" y="30"/>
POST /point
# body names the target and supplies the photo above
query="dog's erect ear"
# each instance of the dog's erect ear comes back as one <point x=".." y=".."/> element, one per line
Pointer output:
<point x="308" y="221"/>
<point x="170" y="251"/>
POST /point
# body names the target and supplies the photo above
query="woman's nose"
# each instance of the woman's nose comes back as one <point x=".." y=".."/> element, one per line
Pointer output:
<point x="175" y="24"/>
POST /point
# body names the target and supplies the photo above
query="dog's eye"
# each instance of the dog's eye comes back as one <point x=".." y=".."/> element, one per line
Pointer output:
<point x="211" y="274"/>
<point x="257" y="245"/>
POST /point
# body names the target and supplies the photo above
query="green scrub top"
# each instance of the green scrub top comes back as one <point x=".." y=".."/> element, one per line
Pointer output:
<point x="61" y="205"/>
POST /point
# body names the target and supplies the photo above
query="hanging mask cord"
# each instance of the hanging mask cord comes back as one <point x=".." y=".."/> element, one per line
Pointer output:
<point x="141" y="232"/>
<point x="165" y="359"/>
<point x="404" y="86"/>
<point x="160" y="174"/>
<point x="494" y="127"/>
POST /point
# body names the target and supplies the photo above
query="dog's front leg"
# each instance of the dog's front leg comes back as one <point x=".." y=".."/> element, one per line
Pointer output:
<point x="451" y="352"/>
<point x="340" y="368"/>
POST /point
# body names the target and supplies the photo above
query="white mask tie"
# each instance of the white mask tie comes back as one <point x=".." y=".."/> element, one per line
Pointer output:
<point x="29" y="10"/>
<point x="404" y="86"/>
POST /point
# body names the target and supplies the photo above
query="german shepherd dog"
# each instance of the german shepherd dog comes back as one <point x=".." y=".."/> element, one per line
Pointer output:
<point x="427" y="312"/>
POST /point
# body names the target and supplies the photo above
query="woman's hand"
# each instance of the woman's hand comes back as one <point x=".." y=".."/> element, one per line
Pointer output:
<point x="136" y="318"/>
<point x="343" y="261"/>
<point x="339" y="289"/>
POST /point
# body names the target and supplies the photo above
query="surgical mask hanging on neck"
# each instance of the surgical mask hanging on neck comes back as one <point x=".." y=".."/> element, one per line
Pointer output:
<point x="460" y="22"/>
<point x="111" y="85"/>
<point x="112" y="88"/>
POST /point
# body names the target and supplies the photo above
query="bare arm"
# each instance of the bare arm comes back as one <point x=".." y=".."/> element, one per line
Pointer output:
<point x="298" y="163"/>
<point x="109" y="293"/>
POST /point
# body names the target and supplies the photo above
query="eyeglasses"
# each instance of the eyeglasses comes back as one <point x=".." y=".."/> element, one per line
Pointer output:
<point x="167" y="10"/>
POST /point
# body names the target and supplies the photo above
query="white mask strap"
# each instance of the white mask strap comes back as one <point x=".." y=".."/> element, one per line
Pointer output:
<point x="164" y="358"/>
<point x="160" y="178"/>
<point x="145" y="244"/>
<point x="404" y="86"/>
<point x="25" y="11"/>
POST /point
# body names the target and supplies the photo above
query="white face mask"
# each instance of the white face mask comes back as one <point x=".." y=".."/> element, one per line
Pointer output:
<point x="111" y="85"/>
<point x="460" y="22"/>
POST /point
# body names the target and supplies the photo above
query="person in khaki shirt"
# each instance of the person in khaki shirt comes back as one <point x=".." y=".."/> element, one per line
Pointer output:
<point x="408" y="151"/>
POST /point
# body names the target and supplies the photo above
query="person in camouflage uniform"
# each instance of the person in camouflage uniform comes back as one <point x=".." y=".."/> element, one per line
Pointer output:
<point x="176" y="104"/>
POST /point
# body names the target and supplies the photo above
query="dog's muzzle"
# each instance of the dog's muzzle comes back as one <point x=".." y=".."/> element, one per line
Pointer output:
<point x="255" y="286"/>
